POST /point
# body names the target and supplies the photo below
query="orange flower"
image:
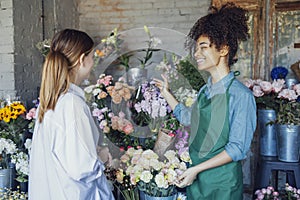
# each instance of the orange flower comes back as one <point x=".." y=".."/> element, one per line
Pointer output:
<point x="100" y="53"/>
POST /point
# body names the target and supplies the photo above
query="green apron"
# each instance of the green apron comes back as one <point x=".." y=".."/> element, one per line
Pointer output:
<point x="209" y="135"/>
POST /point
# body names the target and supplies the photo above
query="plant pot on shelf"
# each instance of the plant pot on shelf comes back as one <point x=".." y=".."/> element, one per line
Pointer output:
<point x="267" y="139"/>
<point x="288" y="137"/>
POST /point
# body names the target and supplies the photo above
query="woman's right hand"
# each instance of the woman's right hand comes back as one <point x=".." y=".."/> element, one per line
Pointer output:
<point x="163" y="85"/>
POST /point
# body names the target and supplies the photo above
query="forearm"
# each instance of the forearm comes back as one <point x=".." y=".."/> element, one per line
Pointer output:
<point x="216" y="161"/>
<point x="169" y="98"/>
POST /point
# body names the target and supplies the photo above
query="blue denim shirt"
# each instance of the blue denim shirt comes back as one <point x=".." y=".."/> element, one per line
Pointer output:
<point x="242" y="114"/>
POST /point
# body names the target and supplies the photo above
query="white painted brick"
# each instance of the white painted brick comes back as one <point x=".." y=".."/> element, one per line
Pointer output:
<point x="6" y="4"/>
<point x="6" y="13"/>
<point x="6" y="80"/>
<point x="6" y="67"/>
<point x="163" y="11"/>
<point x="6" y="40"/>
<point x="7" y="22"/>
<point x="163" y="4"/>
<point x="6" y="49"/>
<point x="186" y="4"/>
<point x="6" y="31"/>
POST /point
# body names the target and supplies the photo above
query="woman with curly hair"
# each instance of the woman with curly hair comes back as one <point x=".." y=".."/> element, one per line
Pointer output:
<point x="223" y="118"/>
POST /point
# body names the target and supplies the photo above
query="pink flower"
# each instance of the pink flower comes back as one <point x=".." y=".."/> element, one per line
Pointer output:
<point x="128" y="129"/>
<point x="266" y="86"/>
<point x="257" y="92"/>
<point x="278" y="85"/>
<point x="31" y="114"/>
<point x="288" y="94"/>
<point x="249" y="83"/>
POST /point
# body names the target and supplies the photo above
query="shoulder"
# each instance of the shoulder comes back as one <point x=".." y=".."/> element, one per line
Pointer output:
<point x="239" y="88"/>
<point x="241" y="94"/>
<point x="70" y="102"/>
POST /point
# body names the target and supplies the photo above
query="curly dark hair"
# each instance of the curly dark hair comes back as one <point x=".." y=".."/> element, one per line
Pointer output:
<point x="226" y="26"/>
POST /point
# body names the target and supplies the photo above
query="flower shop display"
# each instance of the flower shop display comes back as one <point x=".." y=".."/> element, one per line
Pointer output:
<point x="131" y="112"/>
<point x="288" y="124"/>
<point x="269" y="193"/>
<point x="15" y="123"/>
<point x="266" y="93"/>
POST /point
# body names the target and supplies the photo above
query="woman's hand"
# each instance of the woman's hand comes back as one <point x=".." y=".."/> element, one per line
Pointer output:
<point x="104" y="155"/>
<point x="188" y="177"/>
<point x="163" y="85"/>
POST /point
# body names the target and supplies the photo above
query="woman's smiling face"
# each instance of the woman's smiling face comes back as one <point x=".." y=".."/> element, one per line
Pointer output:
<point x="206" y="54"/>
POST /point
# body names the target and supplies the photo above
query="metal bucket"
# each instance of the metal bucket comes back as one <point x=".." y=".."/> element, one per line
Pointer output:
<point x="5" y="179"/>
<point x="135" y="76"/>
<point x="288" y="137"/>
<point x="268" y="142"/>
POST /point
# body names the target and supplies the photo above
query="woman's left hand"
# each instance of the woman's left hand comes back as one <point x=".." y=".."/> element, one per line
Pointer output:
<point x="187" y="178"/>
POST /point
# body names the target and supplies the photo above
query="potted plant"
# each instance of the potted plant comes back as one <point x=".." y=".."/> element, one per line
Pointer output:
<point x="265" y="93"/>
<point x="288" y="124"/>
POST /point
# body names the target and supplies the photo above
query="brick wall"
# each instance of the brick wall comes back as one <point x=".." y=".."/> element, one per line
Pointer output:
<point x="22" y="26"/>
<point x="98" y="18"/>
<point x="7" y="84"/>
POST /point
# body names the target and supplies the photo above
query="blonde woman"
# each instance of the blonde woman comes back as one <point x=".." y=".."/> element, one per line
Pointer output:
<point x="63" y="159"/>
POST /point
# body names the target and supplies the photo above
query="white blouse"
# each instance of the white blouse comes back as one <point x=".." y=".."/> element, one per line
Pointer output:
<point x="63" y="157"/>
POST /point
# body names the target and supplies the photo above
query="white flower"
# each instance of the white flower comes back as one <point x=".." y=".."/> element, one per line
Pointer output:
<point x="170" y="155"/>
<point x="181" y="196"/>
<point x="89" y="89"/>
<point x="171" y="176"/>
<point x="27" y="144"/>
<point x="160" y="181"/>
<point x="146" y="176"/>
<point x="96" y="91"/>
<point x="155" y="41"/>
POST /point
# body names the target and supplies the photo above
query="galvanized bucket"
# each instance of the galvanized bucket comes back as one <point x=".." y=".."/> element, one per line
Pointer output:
<point x="135" y="76"/>
<point x="267" y="139"/>
<point x="288" y="137"/>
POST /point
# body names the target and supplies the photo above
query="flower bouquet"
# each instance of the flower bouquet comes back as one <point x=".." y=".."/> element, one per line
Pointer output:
<point x="166" y="137"/>
<point x="148" y="107"/>
<point x="108" y="100"/>
<point x="152" y="176"/>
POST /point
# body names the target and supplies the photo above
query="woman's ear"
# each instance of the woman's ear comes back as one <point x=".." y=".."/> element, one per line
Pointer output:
<point x="224" y="50"/>
<point x="81" y="59"/>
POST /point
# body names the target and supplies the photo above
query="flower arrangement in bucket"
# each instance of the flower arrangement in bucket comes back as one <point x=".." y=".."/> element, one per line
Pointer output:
<point x="266" y="92"/>
<point x="152" y="176"/>
<point x="289" y="106"/>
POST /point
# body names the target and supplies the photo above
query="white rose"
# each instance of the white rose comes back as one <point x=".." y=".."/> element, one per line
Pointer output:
<point x="146" y="176"/>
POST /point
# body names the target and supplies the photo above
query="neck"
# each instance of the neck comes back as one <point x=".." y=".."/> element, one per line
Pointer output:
<point x="219" y="73"/>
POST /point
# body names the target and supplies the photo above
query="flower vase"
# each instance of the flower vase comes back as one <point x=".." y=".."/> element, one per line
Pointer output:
<point x="7" y="177"/>
<point x="135" y="76"/>
<point x="144" y="196"/>
<point x="267" y="140"/>
<point x="288" y="137"/>
<point x="148" y="197"/>
<point x="24" y="186"/>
